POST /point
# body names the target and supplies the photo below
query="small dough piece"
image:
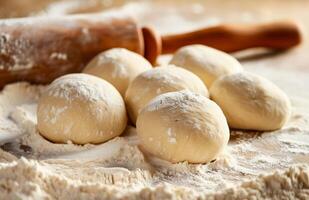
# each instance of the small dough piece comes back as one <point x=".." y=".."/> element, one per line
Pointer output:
<point x="183" y="126"/>
<point x="157" y="81"/>
<point x="205" y="62"/>
<point x="251" y="102"/>
<point x="81" y="108"/>
<point x="118" y="66"/>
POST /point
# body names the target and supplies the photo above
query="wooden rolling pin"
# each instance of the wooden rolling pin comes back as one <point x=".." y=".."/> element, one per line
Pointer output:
<point x="41" y="49"/>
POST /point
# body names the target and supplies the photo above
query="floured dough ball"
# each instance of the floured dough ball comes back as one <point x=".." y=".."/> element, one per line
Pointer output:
<point x="157" y="81"/>
<point x="118" y="66"/>
<point x="251" y="102"/>
<point x="81" y="108"/>
<point x="183" y="126"/>
<point x="207" y="63"/>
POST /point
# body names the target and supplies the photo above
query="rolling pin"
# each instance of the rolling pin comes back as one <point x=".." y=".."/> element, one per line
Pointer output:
<point x="40" y="49"/>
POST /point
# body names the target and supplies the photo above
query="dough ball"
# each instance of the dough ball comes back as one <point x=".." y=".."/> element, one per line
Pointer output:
<point x="118" y="66"/>
<point x="251" y="102"/>
<point x="207" y="63"/>
<point x="183" y="126"/>
<point x="81" y="108"/>
<point x="157" y="81"/>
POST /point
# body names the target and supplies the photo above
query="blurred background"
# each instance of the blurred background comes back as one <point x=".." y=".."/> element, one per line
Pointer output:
<point x="170" y="16"/>
<point x="162" y="12"/>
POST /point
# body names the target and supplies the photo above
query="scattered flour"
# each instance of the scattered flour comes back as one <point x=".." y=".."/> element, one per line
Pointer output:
<point x="55" y="112"/>
<point x="59" y="56"/>
<point x="112" y="58"/>
<point x="171" y="136"/>
<point x="254" y="166"/>
<point x="86" y="37"/>
<point x="36" y="180"/>
<point x="119" y="167"/>
<point x="14" y="51"/>
<point x="77" y="87"/>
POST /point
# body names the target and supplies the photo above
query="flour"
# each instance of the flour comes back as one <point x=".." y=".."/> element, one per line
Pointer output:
<point x="255" y="165"/>
<point x="36" y="175"/>
<point x="161" y="76"/>
<point x="169" y="102"/>
<point x="171" y="136"/>
<point x="124" y="161"/>
<point x="119" y="169"/>
<point x="25" y="117"/>
<point x="6" y="157"/>
<point x="112" y="58"/>
<point x="86" y="37"/>
<point x="55" y="113"/>
<point x="16" y="48"/>
<point x="59" y="56"/>
<point x="76" y="87"/>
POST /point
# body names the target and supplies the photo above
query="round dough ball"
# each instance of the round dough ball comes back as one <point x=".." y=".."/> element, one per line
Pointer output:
<point x="118" y="66"/>
<point x="81" y="108"/>
<point x="157" y="81"/>
<point x="183" y="126"/>
<point x="251" y="102"/>
<point x="207" y="63"/>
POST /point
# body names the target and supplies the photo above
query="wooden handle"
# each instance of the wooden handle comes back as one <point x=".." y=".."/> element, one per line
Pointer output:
<point x="230" y="38"/>
<point x="152" y="44"/>
<point x="38" y="50"/>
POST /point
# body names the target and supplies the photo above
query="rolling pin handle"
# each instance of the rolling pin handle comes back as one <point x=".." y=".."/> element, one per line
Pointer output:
<point x="231" y="38"/>
<point x="152" y="44"/>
